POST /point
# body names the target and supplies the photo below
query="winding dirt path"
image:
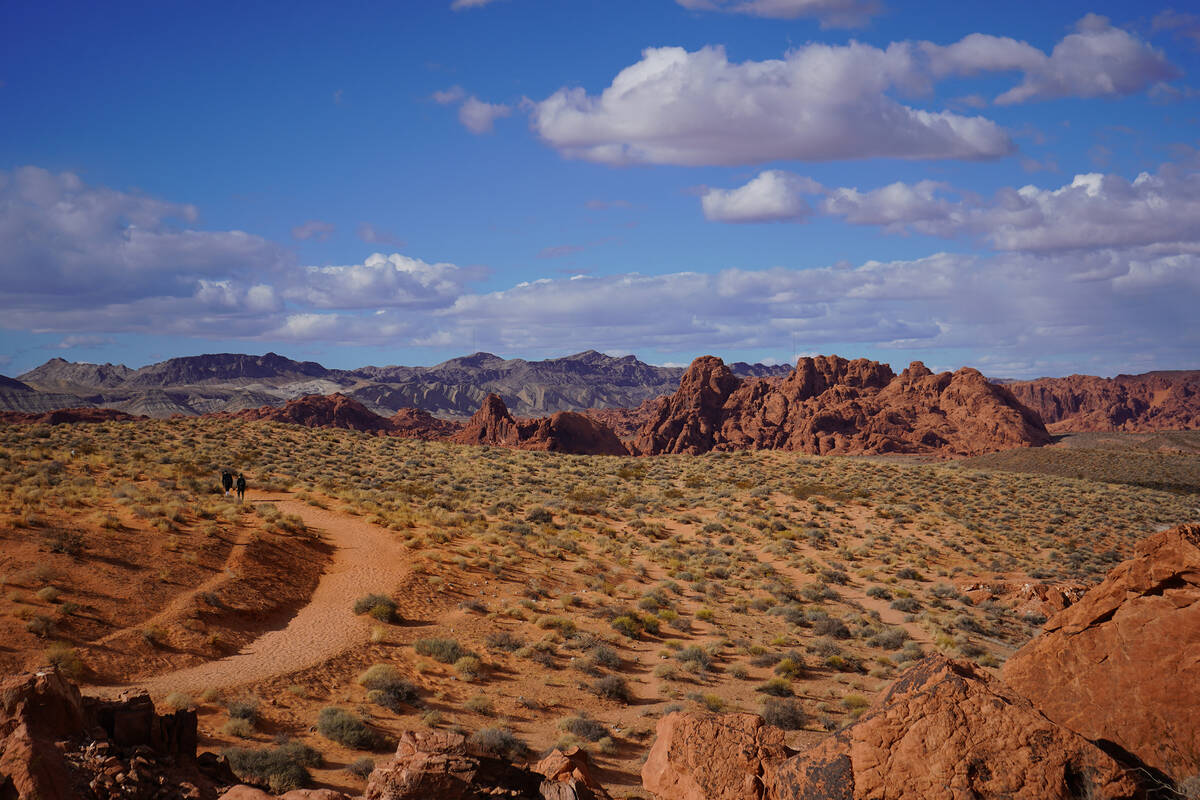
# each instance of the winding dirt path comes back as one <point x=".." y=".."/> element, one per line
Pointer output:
<point x="366" y="559"/>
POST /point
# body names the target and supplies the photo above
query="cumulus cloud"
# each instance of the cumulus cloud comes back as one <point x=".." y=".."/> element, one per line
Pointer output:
<point x="449" y="96"/>
<point x="825" y="102"/>
<point x="831" y="13"/>
<point x="313" y="229"/>
<point x="1092" y="211"/>
<point x="479" y="117"/>
<point x="773" y="196"/>
<point x="65" y="244"/>
<point x="819" y="103"/>
<point x="382" y="282"/>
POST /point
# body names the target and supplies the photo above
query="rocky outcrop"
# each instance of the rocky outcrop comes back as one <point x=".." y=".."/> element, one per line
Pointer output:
<point x="564" y="432"/>
<point x="1153" y="401"/>
<point x="568" y="775"/>
<point x="947" y="729"/>
<point x="831" y="405"/>
<point x="439" y="764"/>
<point x="66" y="416"/>
<point x="414" y="423"/>
<point x="1025" y="599"/>
<point x="699" y="756"/>
<point x="57" y="745"/>
<point x="1122" y="665"/>
<point x="321" y="411"/>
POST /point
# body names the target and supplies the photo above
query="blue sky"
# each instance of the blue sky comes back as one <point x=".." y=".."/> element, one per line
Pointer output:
<point x="1008" y="187"/>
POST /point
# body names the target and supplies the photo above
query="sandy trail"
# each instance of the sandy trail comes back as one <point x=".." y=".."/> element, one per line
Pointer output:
<point x="366" y="559"/>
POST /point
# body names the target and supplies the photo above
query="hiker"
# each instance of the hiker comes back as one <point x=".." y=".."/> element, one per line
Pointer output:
<point x="226" y="481"/>
<point x="241" y="487"/>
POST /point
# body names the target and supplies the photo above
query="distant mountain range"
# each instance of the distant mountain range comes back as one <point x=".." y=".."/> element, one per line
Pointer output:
<point x="453" y="389"/>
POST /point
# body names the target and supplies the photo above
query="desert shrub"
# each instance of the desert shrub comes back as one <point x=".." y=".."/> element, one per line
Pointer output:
<point x="178" y="701"/>
<point x="469" y="668"/>
<point x="49" y="594"/>
<point x="346" y="728"/>
<point x="236" y="726"/>
<point x="612" y="687"/>
<point x="584" y="727"/>
<point x="498" y="742"/>
<point x="696" y="658"/>
<point x="855" y="702"/>
<point x="906" y="604"/>
<point x="68" y="542"/>
<point x="446" y="651"/>
<point x="909" y="574"/>
<point x="243" y="708"/>
<point x="379" y="606"/>
<point x="504" y="641"/>
<point x="361" y="768"/>
<point x="386" y="687"/>
<point x="65" y="659"/>
<point x="785" y="712"/>
<point x="627" y="625"/>
<point x="480" y="704"/>
<point x="282" y="768"/>
<point x="792" y="666"/>
<point x="889" y="638"/>
<point x="604" y="656"/>
<point x="563" y="625"/>
<point x="776" y="687"/>
<point x="879" y="593"/>
<point x="537" y="514"/>
<point x="831" y="626"/>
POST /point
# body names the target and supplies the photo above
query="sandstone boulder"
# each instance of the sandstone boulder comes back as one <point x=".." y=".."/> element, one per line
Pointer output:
<point x="568" y="776"/>
<point x="945" y="729"/>
<point x="438" y="764"/>
<point x="1122" y="665"/>
<point x="699" y="756"/>
<point x="1026" y="599"/>
<point x="831" y="405"/>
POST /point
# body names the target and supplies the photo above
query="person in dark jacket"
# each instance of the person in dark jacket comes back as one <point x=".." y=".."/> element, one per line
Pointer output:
<point x="226" y="481"/>
<point x="241" y="487"/>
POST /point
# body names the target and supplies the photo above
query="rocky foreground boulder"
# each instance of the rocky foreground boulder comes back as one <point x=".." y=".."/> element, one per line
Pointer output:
<point x="1122" y="665"/>
<point x="57" y="745"/>
<point x="831" y="405"/>
<point x="702" y="756"/>
<point x="945" y="729"/>
<point x="564" y="432"/>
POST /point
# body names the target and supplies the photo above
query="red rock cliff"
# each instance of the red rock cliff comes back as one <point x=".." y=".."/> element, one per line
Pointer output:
<point x="1154" y="401"/>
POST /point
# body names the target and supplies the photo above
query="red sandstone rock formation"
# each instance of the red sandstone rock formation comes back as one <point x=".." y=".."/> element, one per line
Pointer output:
<point x="831" y="405"/>
<point x="1154" y="401"/>
<point x="1122" y="664"/>
<point x="57" y="745"/>
<point x="1044" y="599"/>
<point x="946" y="729"/>
<point x="569" y="776"/>
<point x="438" y="764"/>
<point x="320" y="411"/>
<point x="564" y="432"/>
<point x="66" y="416"/>
<point x="415" y="423"/>
<point x="244" y="792"/>
<point x="699" y="756"/>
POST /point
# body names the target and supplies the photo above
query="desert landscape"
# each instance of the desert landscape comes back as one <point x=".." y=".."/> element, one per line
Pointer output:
<point x="482" y="592"/>
<point x="623" y="400"/>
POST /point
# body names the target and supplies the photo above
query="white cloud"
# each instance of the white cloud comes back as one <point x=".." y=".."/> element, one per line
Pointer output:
<point x="1097" y="60"/>
<point x="820" y="103"/>
<point x="825" y="102"/>
<point x="382" y="282"/>
<point x="65" y="245"/>
<point x="449" y="96"/>
<point x="459" y="5"/>
<point x="1092" y="211"/>
<point x="313" y="229"/>
<point x="831" y="13"/>
<point x="773" y="196"/>
<point x="479" y="117"/>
